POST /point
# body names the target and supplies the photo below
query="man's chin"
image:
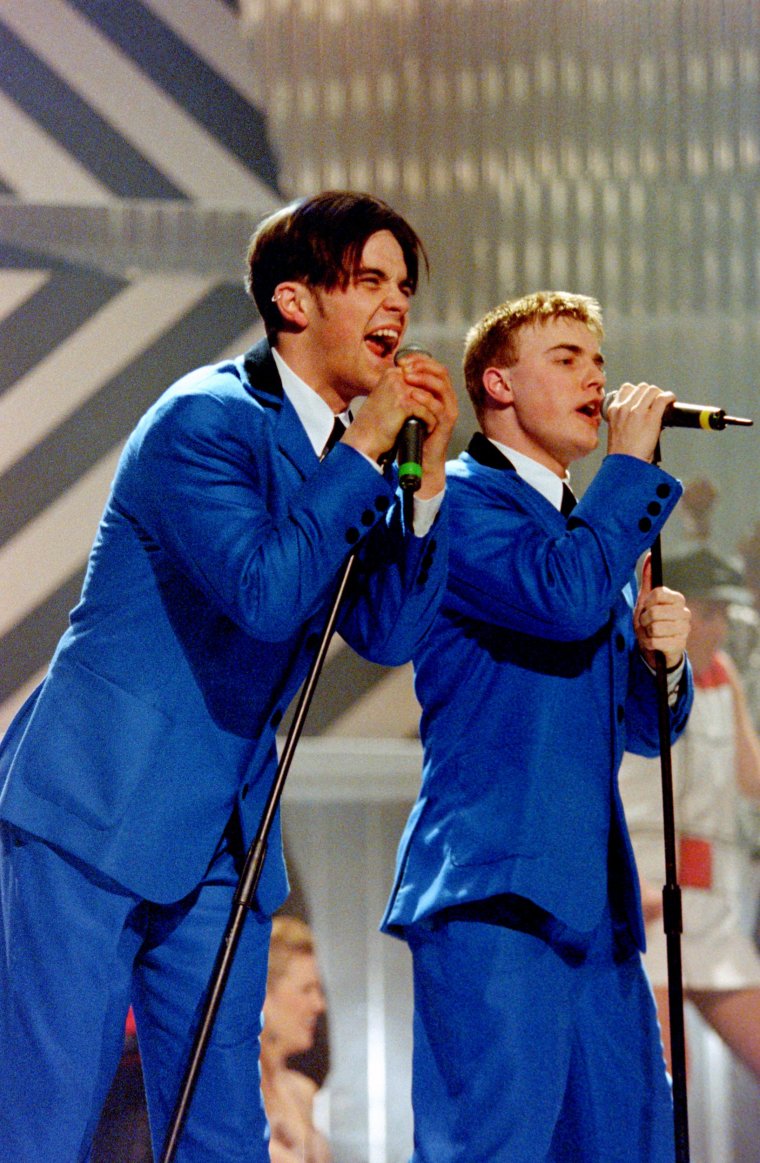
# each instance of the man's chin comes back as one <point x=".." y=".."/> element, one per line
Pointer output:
<point x="590" y="444"/>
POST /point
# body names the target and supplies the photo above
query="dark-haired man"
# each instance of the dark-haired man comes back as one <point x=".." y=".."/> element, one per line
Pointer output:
<point x="535" y="1031"/>
<point x="133" y="780"/>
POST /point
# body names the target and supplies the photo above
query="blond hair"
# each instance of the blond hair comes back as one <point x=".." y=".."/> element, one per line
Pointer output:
<point x="289" y="937"/>
<point x="492" y="341"/>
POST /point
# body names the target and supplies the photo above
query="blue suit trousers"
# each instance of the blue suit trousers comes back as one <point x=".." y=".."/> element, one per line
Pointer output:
<point x="77" y="950"/>
<point x="533" y="1050"/>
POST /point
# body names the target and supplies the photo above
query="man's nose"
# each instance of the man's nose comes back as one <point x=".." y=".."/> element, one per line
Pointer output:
<point x="397" y="300"/>
<point x="596" y="375"/>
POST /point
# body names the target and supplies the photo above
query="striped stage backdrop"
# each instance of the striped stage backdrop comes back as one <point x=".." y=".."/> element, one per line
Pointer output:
<point x="134" y="162"/>
<point x="128" y="143"/>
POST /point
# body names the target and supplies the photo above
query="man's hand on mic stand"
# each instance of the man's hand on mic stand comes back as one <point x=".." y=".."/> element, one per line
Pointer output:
<point x="661" y="621"/>
<point x="634" y="417"/>
<point x="419" y="387"/>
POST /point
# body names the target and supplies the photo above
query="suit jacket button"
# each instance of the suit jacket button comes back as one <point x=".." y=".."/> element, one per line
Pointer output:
<point x="382" y="504"/>
<point x="352" y="535"/>
<point x="663" y="490"/>
<point x="368" y="517"/>
<point x="645" y="524"/>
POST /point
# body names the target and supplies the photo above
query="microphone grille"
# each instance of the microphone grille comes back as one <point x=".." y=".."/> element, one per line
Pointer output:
<point x="609" y="398"/>
<point x="409" y="349"/>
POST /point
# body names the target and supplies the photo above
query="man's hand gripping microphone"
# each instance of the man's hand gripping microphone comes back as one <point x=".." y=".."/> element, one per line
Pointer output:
<point x="411" y="436"/>
<point x="678" y="415"/>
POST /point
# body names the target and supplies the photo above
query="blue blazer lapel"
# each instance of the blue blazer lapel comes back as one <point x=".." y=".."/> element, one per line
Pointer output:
<point x="266" y="388"/>
<point x="484" y="453"/>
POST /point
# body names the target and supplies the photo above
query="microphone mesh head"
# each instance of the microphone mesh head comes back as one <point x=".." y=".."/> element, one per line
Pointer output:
<point x="608" y="399"/>
<point x="409" y="349"/>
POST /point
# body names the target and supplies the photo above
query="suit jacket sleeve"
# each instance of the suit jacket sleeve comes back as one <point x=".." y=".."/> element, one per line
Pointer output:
<point x="560" y="583"/>
<point x="264" y="535"/>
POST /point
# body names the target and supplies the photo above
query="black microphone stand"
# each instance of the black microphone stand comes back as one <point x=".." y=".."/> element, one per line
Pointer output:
<point x="671" y="893"/>
<point x="245" y="892"/>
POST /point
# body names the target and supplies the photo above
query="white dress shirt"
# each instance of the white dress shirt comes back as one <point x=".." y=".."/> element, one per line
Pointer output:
<point x="543" y="480"/>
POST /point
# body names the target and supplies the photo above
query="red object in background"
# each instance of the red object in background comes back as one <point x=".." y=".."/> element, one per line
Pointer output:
<point x="695" y="862"/>
<point x="130" y="1030"/>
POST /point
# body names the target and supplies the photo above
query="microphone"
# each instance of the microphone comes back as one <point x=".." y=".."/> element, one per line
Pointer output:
<point x="411" y="436"/>
<point x="678" y="415"/>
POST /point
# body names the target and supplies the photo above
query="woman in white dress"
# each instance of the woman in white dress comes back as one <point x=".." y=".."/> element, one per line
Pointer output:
<point x="716" y="760"/>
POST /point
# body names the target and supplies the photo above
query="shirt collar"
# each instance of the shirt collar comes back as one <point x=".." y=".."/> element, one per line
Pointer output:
<point x="314" y="413"/>
<point x="546" y="482"/>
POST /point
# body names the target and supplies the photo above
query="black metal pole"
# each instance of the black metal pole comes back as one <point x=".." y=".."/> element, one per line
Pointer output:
<point x="671" y="893"/>
<point x="245" y="892"/>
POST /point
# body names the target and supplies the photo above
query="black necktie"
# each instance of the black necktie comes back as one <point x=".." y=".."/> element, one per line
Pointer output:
<point x="568" y="500"/>
<point x="338" y="429"/>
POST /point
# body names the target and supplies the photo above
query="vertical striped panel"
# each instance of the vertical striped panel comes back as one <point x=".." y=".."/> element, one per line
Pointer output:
<point x="607" y="148"/>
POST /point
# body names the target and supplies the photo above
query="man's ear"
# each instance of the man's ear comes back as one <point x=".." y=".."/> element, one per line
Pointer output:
<point x="292" y="301"/>
<point x="496" y="384"/>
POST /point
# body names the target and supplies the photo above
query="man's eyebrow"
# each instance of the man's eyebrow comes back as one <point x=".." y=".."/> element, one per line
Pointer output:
<point x="379" y="273"/>
<point x="576" y="349"/>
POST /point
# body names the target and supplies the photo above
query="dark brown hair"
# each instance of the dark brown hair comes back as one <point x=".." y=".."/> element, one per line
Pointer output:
<point x="319" y="241"/>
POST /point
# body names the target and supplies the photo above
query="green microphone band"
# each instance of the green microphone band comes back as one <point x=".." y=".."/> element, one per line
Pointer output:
<point x="410" y="469"/>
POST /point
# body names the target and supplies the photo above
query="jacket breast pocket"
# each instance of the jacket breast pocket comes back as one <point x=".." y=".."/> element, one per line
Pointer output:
<point x="492" y="812"/>
<point x="88" y="744"/>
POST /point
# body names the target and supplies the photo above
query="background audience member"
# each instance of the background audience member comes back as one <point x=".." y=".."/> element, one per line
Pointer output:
<point x="716" y="760"/>
<point x="293" y="1004"/>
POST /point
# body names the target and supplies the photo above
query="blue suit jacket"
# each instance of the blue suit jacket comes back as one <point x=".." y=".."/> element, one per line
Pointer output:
<point x="532" y="686"/>
<point x="209" y="580"/>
